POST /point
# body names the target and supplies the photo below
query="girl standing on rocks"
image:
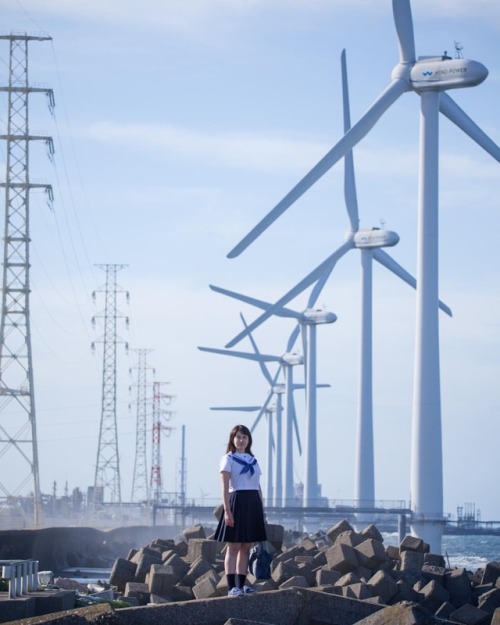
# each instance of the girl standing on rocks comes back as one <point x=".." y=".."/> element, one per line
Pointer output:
<point x="243" y="520"/>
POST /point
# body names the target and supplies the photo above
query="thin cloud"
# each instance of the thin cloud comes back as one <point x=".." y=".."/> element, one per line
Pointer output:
<point x="234" y="149"/>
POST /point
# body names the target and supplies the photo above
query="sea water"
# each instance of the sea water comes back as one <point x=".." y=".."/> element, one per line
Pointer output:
<point x="470" y="552"/>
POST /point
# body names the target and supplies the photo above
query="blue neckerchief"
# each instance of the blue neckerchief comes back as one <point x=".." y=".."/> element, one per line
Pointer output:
<point x="247" y="466"/>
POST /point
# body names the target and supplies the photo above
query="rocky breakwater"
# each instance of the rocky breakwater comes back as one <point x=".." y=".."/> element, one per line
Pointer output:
<point x="339" y="577"/>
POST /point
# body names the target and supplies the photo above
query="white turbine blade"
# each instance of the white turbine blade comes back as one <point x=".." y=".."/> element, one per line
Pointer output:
<point x="296" y="428"/>
<point x="351" y="200"/>
<point x="293" y="337"/>
<point x="257" y="357"/>
<point x="389" y="263"/>
<point x="454" y="113"/>
<point x="305" y="351"/>
<point x="282" y="312"/>
<point x="403" y="21"/>
<point x="396" y="88"/>
<point x="262" y="410"/>
<point x="236" y="408"/>
<point x="326" y="265"/>
<point x="262" y="365"/>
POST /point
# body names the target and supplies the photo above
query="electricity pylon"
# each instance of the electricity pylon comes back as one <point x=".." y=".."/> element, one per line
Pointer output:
<point x="140" y="485"/>
<point x="18" y="439"/>
<point x="107" y="470"/>
<point x="160" y="414"/>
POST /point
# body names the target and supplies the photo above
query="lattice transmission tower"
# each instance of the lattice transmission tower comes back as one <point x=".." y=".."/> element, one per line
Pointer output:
<point x="140" y="483"/>
<point x="160" y="416"/>
<point x="18" y="439"/>
<point x="107" y="483"/>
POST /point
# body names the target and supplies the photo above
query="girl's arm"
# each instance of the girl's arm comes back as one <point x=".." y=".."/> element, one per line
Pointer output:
<point x="228" y="515"/>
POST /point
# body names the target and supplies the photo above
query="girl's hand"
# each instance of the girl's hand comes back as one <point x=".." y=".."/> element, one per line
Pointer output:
<point x="228" y="518"/>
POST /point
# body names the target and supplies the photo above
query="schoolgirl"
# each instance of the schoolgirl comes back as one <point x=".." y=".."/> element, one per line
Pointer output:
<point x="243" y="520"/>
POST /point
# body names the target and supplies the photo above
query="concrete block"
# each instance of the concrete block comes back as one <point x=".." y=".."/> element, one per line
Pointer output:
<point x="153" y="599"/>
<point x="371" y="553"/>
<point x="275" y="534"/>
<point x="358" y="591"/>
<point x="304" y="559"/>
<point x="325" y="607"/>
<point x="405" y="593"/>
<point x="306" y="570"/>
<point x="202" y="548"/>
<point x="434" y="595"/>
<point x="444" y="611"/>
<point x="400" y="614"/>
<point x="138" y="590"/>
<point x="342" y="558"/>
<point x="371" y="531"/>
<point x="295" y="580"/>
<point x="161" y="579"/>
<point x="478" y="590"/>
<point x="392" y="552"/>
<point x="123" y="571"/>
<point x="348" y="579"/>
<point x="490" y="601"/>
<point x="205" y="588"/>
<point x="337" y="529"/>
<point x="197" y="531"/>
<point x="178" y="566"/>
<point x="182" y="593"/>
<point x="491" y="573"/>
<point x="383" y="585"/>
<point x="146" y="559"/>
<point x="434" y="559"/>
<point x="197" y="569"/>
<point x="308" y="545"/>
<point x="457" y="583"/>
<point x="264" y="585"/>
<point x="470" y="615"/>
<point x="433" y="573"/>
<point x="412" y="543"/>
<point x="496" y="617"/>
<point x="350" y="538"/>
<point x="326" y="577"/>
<point x="320" y="558"/>
<point x="411" y="562"/>
<point x="283" y="571"/>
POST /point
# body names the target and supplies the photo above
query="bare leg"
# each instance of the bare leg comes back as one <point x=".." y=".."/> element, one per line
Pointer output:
<point x="230" y="561"/>
<point x="242" y="559"/>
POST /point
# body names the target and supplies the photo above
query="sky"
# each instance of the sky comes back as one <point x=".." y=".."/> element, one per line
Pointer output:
<point x="177" y="127"/>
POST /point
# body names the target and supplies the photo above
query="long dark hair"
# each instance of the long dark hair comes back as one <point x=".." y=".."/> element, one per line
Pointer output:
<point x="244" y="430"/>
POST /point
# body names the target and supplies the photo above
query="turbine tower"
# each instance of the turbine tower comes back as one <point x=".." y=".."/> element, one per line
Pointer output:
<point x="18" y="438"/>
<point x="430" y="78"/>
<point x="140" y="483"/>
<point x="107" y="471"/>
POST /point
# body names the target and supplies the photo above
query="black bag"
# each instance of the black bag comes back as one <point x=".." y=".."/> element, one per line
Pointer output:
<point x="259" y="561"/>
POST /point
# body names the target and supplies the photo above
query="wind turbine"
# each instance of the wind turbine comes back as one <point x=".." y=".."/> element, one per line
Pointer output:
<point x="308" y="320"/>
<point x="369" y="243"/>
<point x="287" y="361"/>
<point x="430" y="78"/>
<point x="270" y="439"/>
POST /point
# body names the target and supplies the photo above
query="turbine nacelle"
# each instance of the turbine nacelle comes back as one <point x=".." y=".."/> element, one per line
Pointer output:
<point x="366" y="238"/>
<point x="292" y="359"/>
<point x="314" y="316"/>
<point x="440" y="73"/>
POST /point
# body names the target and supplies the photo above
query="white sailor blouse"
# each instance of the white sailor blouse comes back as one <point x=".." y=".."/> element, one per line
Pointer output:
<point x="244" y="471"/>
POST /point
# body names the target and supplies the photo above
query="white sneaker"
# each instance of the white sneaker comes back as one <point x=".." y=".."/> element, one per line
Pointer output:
<point x="248" y="590"/>
<point x="234" y="592"/>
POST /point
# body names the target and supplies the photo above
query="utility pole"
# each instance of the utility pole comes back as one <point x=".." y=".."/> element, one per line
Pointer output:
<point x="18" y="439"/>
<point x="107" y="470"/>
<point x="140" y="485"/>
<point x="160" y="414"/>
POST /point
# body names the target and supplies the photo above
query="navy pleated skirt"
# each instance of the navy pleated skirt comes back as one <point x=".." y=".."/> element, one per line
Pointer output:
<point x="248" y="514"/>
